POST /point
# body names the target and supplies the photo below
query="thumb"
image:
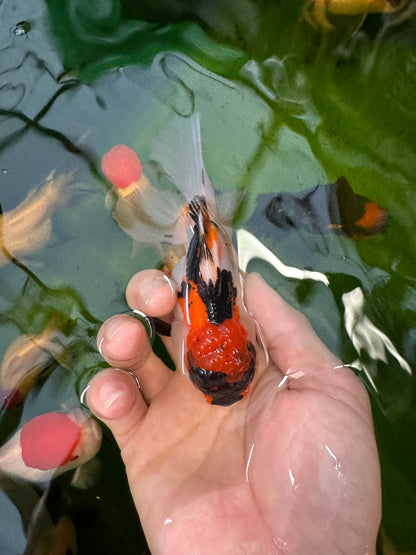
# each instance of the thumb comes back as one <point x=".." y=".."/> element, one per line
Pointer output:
<point x="292" y="343"/>
<point x="114" y="398"/>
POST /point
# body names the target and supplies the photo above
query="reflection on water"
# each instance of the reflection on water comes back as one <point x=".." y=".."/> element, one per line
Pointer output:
<point x="284" y="108"/>
<point x="250" y="248"/>
<point x="367" y="338"/>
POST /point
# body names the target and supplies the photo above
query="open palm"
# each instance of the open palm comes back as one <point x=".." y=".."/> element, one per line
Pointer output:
<point x="292" y="468"/>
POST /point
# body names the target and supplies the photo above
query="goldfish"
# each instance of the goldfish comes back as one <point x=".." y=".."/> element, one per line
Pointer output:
<point x="316" y="12"/>
<point x="323" y="209"/>
<point x="50" y="444"/>
<point x="25" y="359"/>
<point x="215" y="334"/>
<point x="27" y="228"/>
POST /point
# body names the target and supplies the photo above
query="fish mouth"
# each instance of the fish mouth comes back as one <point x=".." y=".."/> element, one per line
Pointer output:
<point x="219" y="387"/>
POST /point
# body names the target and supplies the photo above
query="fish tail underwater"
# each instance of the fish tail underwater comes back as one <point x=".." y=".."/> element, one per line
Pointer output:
<point x="220" y="354"/>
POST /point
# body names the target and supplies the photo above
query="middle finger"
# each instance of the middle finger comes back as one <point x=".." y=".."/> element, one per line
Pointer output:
<point x="123" y="342"/>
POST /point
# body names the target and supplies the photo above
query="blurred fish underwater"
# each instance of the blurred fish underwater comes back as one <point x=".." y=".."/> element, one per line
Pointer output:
<point x="50" y="444"/>
<point x="27" y="228"/>
<point x="27" y="358"/>
<point x="333" y="208"/>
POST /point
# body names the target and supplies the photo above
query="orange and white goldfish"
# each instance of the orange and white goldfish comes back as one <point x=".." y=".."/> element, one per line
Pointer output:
<point x="25" y="359"/>
<point x="50" y="444"/>
<point x="27" y="228"/>
<point x="316" y="12"/>
<point x="213" y="330"/>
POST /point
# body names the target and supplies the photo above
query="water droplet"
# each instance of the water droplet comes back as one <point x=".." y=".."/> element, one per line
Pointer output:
<point x="294" y="483"/>
<point x="248" y="463"/>
<point x="22" y="28"/>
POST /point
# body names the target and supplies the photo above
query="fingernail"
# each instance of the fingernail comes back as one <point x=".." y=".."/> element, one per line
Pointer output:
<point x="153" y="286"/>
<point x="109" y="393"/>
<point x="113" y="327"/>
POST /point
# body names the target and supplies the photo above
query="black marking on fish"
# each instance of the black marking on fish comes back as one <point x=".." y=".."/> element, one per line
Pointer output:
<point x="323" y="209"/>
<point x="215" y="384"/>
<point x="219" y="297"/>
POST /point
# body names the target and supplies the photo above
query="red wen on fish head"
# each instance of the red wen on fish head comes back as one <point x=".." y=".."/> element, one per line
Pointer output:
<point x="121" y="166"/>
<point x="48" y="441"/>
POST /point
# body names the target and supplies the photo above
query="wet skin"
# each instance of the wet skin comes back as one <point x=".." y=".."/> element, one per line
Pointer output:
<point x="292" y="468"/>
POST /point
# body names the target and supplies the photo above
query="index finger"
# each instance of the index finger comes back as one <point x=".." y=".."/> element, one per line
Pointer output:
<point x="151" y="292"/>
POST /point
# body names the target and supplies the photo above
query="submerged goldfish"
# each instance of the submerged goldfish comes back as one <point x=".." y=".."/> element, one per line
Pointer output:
<point x="316" y="12"/>
<point x="28" y="227"/>
<point x="213" y="329"/>
<point x="50" y="444"/>
<point x="26" y="358"/>
<point x="323" y="209"/>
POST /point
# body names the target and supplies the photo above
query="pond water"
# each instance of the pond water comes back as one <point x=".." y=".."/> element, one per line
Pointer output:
<point x="290" y="99"/>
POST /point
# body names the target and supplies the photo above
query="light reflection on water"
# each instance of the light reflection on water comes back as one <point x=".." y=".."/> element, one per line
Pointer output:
<point x="71" y="268"/>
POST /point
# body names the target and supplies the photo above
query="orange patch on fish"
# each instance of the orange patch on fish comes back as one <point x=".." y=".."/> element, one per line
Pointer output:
<point x="193" y="308"/>
<point x="374" y="217"/>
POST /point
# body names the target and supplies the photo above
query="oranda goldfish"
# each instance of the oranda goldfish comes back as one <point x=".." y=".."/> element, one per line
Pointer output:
<point x="50" y="444"/>
<point x="213" y="331"/>
<point x="27" y="228"/>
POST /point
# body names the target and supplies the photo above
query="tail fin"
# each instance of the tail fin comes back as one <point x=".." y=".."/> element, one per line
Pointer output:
<point x="150" y="215"/>
<point x="179" y="152"/>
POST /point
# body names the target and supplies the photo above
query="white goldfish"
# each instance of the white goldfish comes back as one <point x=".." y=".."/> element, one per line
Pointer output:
<point x="27" y="228"/>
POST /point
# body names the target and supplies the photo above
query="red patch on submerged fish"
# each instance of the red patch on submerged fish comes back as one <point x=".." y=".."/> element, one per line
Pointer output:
<point x="48" y="441"/>
<point x="374" y="219"/>
<point x="121" y="166"/>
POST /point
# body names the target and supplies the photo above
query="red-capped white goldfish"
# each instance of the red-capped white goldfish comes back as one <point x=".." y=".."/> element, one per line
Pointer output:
<point x="214" y="332"/>
<point x="50" y="444"/>
<point x="27" y="228"/>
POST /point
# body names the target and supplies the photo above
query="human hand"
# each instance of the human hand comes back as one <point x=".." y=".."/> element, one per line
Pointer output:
<point x="291" y="468"/>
